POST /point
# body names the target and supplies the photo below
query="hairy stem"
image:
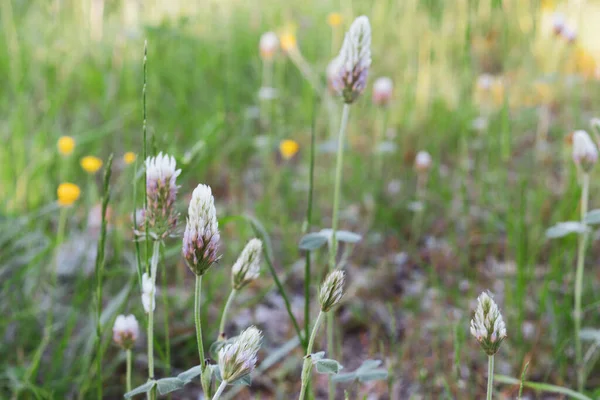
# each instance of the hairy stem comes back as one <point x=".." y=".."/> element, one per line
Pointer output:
<point x="220" y="390"/>
<point x="490" y="384"/>
<point x="199" y="342"/>
<point x="579" y="280"/>
<point x="128" y="373"/>
<point x="307" y="366"/>
<point x="153" y="269"/>
<point x="224" y="315"/>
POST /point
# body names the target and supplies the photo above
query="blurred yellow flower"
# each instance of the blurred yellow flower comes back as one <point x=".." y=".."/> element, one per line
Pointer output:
<point x="334" y="19"/>
<point x="129" y="157"/>
<point x="288" y="148"/>
<point x="67" y="193"/>
<point x="91" y="164"/>
<point x="65" y="145"/>
<point x="288" y="41"/>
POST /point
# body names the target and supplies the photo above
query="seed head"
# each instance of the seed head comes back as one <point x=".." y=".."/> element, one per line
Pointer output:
<point x="585" y="152"/>
<point x="201" y="236"/>
<point x="125" y="331"/>
<point x="487" y="325"/>
<point x="332" y="290"/>
<point x="354" y="60"/>
<point x="148" y="293"/>
<point x="268" y="45"/>
<point x="423" y="161"/>
<point x="238" y="359"/>
<point x="247" y="266"/>
<point x="161" y="192"/>
<point x="382" y="91"/>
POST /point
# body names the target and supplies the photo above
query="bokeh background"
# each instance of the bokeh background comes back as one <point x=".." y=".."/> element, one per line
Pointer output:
<point x="490" y="88"/>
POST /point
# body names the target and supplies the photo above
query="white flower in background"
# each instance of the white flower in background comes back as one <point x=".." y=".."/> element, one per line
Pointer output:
<point x="247" y="266"/>
<point x="238" y="359"/>
<point x="268" y="45"/>
<point x="201" y="236"/>
<point x="125" y="331"/>
<point x="585" y="152"/>
<point x="355" y="60"/>
<point x="423" y="161"/>
<point x="485" y="82"/>
<point x="487" y="325"/>
<point x="382" y="91"/>
<point x="332" y="290"/>
<point x="558" y="22"/>
<point x="595" y="123"/>
<point x="148" y="293"/>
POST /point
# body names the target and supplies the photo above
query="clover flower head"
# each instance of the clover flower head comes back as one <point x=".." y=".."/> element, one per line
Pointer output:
<point x="247" y="267"/>
<point x="487" y="325"/>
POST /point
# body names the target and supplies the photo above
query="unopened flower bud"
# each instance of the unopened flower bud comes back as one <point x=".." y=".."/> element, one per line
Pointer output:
<point x="585" y="152"/>
<point x="238" y="359"/>
<point x="423" y="161"/>
<point x="148" y="293"/>
<point x="201" y="236"/>
<point x="332" y="290"/>
<point x="487" y="325"/>
<point x="247" y="266"/>
<point x="382" y="91"/>
<point x="354" y="60"/>
<point x="125" y="331"/>
<point x="268" y="45"/>
<point x="161" y="192"/>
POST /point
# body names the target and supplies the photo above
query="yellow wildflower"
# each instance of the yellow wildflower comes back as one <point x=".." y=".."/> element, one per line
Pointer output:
<point x="65" y="145"/>
<point x="334" y="19"/>
<point x="67" y="193"/>
<point x="288" y="148"/>
<point x="129" y="157"/>
<point x="91" y="164"/>
<point x="288" y="41"/>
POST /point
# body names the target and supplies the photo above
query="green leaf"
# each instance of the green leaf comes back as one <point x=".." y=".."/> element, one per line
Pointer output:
<point x="347" y="377"/>
<point x="328" y="366"/>
<point x="168" y="385"/>
<point x="312" y="241"/>
<point x="368" y="365"/>
<point x="347" y="237"/>
<point x="190" y="374"/>
<point x="373" y="375"/>
<point x="590" y="334"/>
<point x="592" y="217"/>
<point x="317" y="356"/>
<point x="564" y="228"/>
<point x="145" y="388"/>
<point x="245" y="380"/>
<point x="542" y="387"/>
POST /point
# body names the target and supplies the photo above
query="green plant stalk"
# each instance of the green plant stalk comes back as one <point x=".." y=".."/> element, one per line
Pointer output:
<point x="307" y="365"/>
<point x="138" y="255"/>
<point x="267" y="82"/>
<point x="490" y="383"/>
<point x="100" y="273"/>
<point x="225" y="312"/>
<point x="198" y="322"/>
<point x="165" y="299"/>
<point x="308" y="222"/>
<point x="220" y="390"/>
<point x="145" y="151"/>
<point x="153" y="269"/>
<point x="543" y="387"/>
<point x="128" y="373"/>
<point x="579" y="280"/>
<point x="334" y="225"/>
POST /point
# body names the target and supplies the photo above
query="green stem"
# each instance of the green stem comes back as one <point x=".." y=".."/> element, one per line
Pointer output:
<point x="128" y="373"/>
<point x="334" y="225"/>
<point x="153" y="269"/>
<point x="307" y="366"/>
<point x="220" y="390"/>
<point x="579" y="280"/>
<point x="307" y="223"/>
<point x="490" y="384"/>
<point x="199" y="342"/>
<point x="224" y="315"/>
<point x="165" y="298"/>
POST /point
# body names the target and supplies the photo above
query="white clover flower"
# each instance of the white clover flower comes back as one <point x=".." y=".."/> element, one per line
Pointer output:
<point x="125" y="331"/>
<point x="148" y="293"/>
<point x="268" y="45"/>
<point x="238" y="359"/>
<point x="382" y="91"/>
<point x="487" y="325"/>
<point x="161" y="192"/>
<point x="332" y="290"/>
<point x="585" y="152"/>
<point x="354" y="60"/>
<point x="247" y="266"/>
<point x="558" y="22"/>
<point x="423" y="161"/>
<point x="201" y="236"/>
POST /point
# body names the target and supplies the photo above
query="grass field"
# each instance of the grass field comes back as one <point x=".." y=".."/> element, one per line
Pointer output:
<point x="486" y="87"/>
